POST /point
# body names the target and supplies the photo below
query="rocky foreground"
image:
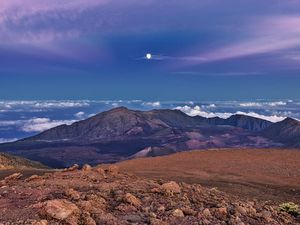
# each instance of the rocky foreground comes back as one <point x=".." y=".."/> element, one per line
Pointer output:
<point x="96" y="196"/>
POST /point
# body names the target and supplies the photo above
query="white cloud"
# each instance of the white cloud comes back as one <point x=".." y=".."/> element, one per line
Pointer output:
<point x="272" y="118"/>
<point x="61" y="104"/>
<point x="152" y="104"/>
<point x="4" y="140"/>
<point x="34" y="106"/>
<point x="263" y="104"/>
<point x="42" y="124"/>
<point x="79" y="115"/>
<point x="7" y="123"/>
<point x="196" y="111"/>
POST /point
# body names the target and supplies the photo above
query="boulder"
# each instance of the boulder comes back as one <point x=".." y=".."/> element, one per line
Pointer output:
<point x="112" y="170"/>
<point x="72" y="168"/>
<point x="206" y="213"/>
<point x="71" y="193"/>
<point x="132" y="200"/>
<point x="171" y="187"/>
<point x="33" y="177"/>
<point x="86" y="167"/>
<point x="59" y="209"/>
<point x="177" y="213"/>
<point x="14" y="176"/>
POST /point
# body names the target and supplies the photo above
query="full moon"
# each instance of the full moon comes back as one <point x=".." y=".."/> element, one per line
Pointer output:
<point x="148" y="56"/>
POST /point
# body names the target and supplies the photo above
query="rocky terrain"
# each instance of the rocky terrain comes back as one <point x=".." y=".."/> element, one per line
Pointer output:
<point x="13" y="162"/>
<point x="92" y="196"/>
<point x="121" y="133"/>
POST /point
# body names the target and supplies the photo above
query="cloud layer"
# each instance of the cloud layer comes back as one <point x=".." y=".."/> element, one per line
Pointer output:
<point x="197" y="111"/>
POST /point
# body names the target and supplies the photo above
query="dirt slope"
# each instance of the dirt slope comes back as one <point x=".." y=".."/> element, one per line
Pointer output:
<point x="265" y="174"/>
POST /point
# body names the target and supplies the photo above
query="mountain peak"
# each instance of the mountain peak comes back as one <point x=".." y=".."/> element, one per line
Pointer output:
<point x="290" y="120"/>
<point x="119" y="109"/>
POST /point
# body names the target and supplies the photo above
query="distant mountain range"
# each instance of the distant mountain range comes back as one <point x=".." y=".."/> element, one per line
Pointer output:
<point x="122" y="133"/>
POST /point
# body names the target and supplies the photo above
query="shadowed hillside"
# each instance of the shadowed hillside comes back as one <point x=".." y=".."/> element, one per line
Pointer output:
<point x="14" y="162"/>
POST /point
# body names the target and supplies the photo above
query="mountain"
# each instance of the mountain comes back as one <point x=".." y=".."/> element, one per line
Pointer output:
<point x="13" y="162"/>
<point x="286" y="131"/>
<point x="246" y="122"/>
<point x="120" y="123"/>
<point x="116" y="124"/>
<point x="120" y="133"/>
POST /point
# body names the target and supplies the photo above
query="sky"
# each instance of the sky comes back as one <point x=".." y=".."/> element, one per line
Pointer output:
<point x="200" y="50"/>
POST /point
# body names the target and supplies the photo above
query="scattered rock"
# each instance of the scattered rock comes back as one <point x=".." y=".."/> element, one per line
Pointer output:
<point x="189" y="211"/>
<point x="222" y="210"/>
<point x="171" y="187"/>
<point x="154" y="221"/>
<point x="252" y="211"/>
<point x="266" y="215"/>
<point x="206" y="213"/>
<point x="71" y="193"/>
<point x="112" y="170"/>
<point x="161" y="209"/>
<point x="133" y="218"/>
<point x="72" y="168"/>
<point x="42" y="222"/>
<point x="155" y="190"/>
<point x="60" y="209"/>
<point x="241" y="210"/>
<point x="152" y="215"/>
<point x="12" y="177"/>
<point x="100" y="171"/>
<point x="74" y="198"/>
<point x="221" y="213"/>
<point x="87" y="219"/>
<point x="177" y="213"/>
<point x="33" y="177"/>
<point x="107" y="219"/>
<point x="86" y="167"/>
<point x="131" y="199"/>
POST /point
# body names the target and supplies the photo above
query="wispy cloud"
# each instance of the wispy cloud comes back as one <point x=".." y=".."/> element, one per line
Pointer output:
<point x="161" y="57"/>
<point x="263" y="35"/>
<point x="260" y="36"/>
<point x="218" y="74"/>
<point x="42" y="21"/>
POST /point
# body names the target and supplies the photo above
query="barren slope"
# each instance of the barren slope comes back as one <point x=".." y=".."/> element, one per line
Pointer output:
<point x="265" y="174"/>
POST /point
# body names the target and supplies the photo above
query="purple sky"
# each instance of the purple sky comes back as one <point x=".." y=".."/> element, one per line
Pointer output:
<point x="99" y="47"/>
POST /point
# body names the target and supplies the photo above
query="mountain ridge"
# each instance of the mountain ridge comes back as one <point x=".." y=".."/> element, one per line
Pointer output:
<point x="120" y="133"/>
